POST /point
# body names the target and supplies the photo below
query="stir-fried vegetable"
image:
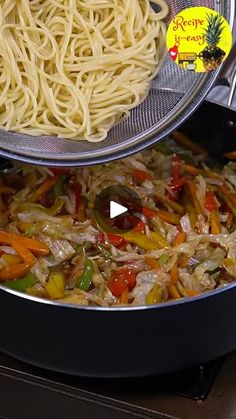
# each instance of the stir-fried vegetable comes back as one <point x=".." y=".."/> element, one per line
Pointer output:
<point x="181" y="245"/>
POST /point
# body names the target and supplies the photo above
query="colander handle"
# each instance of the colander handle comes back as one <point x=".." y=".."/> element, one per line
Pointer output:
<point x="223" y="92"/>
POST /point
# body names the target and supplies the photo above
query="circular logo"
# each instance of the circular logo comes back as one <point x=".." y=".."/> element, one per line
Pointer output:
<point x="199" y="39"/>
<point x="117" y="209"/>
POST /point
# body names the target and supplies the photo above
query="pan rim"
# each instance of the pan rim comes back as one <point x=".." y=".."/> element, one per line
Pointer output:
<point x="166" y="305"/>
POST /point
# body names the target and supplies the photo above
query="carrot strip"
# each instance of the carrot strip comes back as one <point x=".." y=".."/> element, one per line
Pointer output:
<point x="173" y="292"/>
<point x="231" y="155"/>
<point x="193" y="189"/>
<point x="229" y="221"/>
<point x="191" y="293"/>
<point x="191" y="169"/>
<point x="174" y="274"/>
<point x="184" y="140"/>
<point x="215" y="223"/>
<point x="179" y="238"/>
<point x="6" y="190"/>
<point x="153" y="263"/>
<point x="36" y="246"/>
<point x="183" y="261"/>
<point x="229" y="194"/>
<point x="13" y="272"/>
<point x="43" y="189"/>
<point x="23" y="252"/>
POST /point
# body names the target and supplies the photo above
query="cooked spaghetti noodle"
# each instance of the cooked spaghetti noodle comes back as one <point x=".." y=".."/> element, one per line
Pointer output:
<point x="73" y="68"/>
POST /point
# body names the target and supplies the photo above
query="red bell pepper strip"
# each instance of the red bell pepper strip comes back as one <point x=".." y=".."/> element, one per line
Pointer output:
<point x="175" y="169"/>
<point x="120" y="280"/>
<point x="113" y="239"/>
<point x="149" y="213"/>
<point x="141" y="175"/>
<point x="58" y="171"/>
<point x="177" y="181"/>
<point x="77" y="192"/>
<point x="210" y="201"/>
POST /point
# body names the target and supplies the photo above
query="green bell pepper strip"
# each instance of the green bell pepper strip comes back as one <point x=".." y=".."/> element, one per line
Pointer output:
<point x="21" y="284"/>
<point x="105" y="253"/>
<point x="85" y="280"/>
<point x="58" y="188"/>
<point x="163" y="259"/>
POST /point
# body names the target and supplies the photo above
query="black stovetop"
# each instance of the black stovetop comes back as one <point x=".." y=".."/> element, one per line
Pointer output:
<point x="27" y="392"/>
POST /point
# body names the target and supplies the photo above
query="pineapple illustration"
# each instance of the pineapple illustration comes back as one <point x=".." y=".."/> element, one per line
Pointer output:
<point x="212" y="56"/>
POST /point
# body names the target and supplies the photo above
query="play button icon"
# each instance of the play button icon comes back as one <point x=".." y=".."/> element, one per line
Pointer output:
<point x="117" y="209"/>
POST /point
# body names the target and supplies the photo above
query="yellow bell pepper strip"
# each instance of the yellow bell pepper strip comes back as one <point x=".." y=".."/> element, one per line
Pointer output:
<point x="228" y="262"/>
<point x="124" y="299"/>
<point x="169" y="203"/>
<point x="154" y="295"/>
<point x="22" y="284"/>
<point x="13" y="272"/>
<point x="162" y="242"/>
<point x="36" y="246"/>
<point x="23" y="226"/>
<point x="231" y="155"/>
<point x="42" y="190"/>
<point x="193" y="189"/>
<point x="173" y="292"/>
<point x="55" y="286"/>
<point x="180" y="238"/>
<point x="215" y="223"/>
<point x="174" y="274"/>
<point x="11" y="259"/>
<point x="56" y="207"/>
<point x="85" y="280"/>
<point x="184" y="140"/>
<point x="190" y="210"/>
<point x="165" y="216"/>
<point x="147" y="243"/>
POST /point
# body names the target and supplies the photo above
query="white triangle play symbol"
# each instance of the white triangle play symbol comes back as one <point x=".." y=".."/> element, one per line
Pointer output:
<point x="116" y="209"/>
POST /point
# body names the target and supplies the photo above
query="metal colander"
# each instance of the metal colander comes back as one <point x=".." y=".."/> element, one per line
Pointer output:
<point x="174" y="95"/>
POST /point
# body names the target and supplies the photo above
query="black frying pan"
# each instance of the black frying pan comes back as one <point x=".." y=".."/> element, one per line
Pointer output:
<point x="120" y="342"/>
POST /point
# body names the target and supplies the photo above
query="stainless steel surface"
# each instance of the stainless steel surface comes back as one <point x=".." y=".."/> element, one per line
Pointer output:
<point x="174" y="95"/>
<point x="224" y="91"/>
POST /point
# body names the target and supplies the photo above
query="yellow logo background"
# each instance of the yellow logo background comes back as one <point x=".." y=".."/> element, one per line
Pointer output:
<point x="186" y="39"/>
